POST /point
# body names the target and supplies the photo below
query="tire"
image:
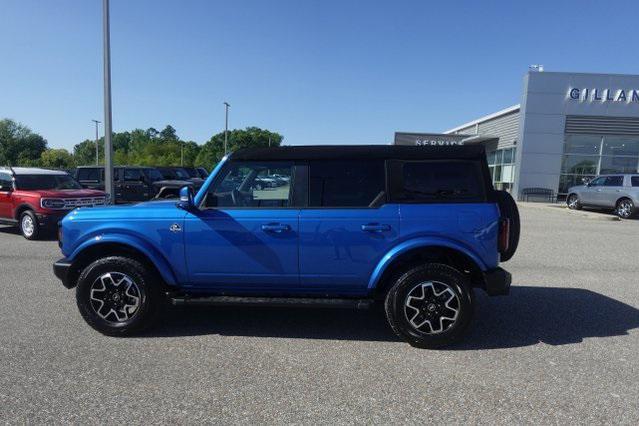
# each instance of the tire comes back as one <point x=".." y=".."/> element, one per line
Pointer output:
<point x="29" y="226"/>
<point x="443" y="320"/>
<point x="573" y="203"/>
<point x="508" y="209"/>
<point x="625" y="208"/>
<point x="123" y="311"/>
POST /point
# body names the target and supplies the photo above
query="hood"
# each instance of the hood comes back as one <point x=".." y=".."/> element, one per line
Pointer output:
<point x="65" y="193"/>
<point x="145" y="210"/>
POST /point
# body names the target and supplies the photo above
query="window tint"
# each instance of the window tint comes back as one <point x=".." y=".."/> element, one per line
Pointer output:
<point x="437" y="181"/>
<point x="89" y="174"/>
<point x="33" y="182"/>
<point x="345" y="183"/>
<point x="614" y="181"/>
<point x="252" y="184"/>
<point x="634" y="180"/>
<point x="132" y="175"/>
<point x="5" y="182"/>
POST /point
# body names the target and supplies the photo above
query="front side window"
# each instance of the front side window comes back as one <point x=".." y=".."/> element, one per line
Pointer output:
<point x="347" y="183"/>
<point x="153" y="175"/>
<point x="132" y="175"/>
<point x="249" y="184"/>
<point x="6" y="182"/>
<point x="598" y="182"/>
<point x="35" y="182"/>
<point x="439" y="181"/>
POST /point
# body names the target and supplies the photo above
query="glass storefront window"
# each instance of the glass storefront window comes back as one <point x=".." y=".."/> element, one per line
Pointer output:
<point x="582" y="144"/>
<point x="621" y="145"/>
<point x="619" y="165"/>
<point x="579" y="164"/>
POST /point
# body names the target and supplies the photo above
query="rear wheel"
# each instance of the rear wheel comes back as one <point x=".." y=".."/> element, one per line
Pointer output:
<point x="573" y="202"/>
<point x="625" y="208"/>
<point x="118" y="296"/>
<point x="29" y="226"/>
<point x="430" y="306"/>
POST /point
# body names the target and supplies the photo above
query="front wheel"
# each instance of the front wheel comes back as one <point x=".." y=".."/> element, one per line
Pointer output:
<point x="118" y="296"/>
<point x="625" y="208"/>
<point x="573" y="202"/>
<point x="430" y="306"/>
<point x="29" y="226"/>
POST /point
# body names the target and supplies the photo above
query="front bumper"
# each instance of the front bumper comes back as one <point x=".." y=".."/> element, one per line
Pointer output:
<point x="497" y="282"/>
<point x="61" y="269"/>
<point x="50" y="220"/>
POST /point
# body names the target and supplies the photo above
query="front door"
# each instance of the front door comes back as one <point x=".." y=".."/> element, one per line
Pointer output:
<point x="245" y="235"/>
<point x="590" y="194"/>
<point x="347" y="227"/>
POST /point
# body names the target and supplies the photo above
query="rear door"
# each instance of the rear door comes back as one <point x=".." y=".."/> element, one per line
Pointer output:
<point x="611" y="191"/>
<point x="346" y="226"/>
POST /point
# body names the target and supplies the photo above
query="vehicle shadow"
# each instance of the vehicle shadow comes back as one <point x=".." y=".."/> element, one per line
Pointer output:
<point x="552" y="315"/>
<point x="13" y="230"/>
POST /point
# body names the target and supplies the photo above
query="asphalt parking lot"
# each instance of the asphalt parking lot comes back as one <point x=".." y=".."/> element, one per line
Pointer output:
<point x="563" y="347"/>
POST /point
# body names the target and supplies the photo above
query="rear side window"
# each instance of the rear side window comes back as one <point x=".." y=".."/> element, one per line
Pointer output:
<point x="437" y="181"/>
<point x="614" y="181"/>
<point x="634" y="180"/>
<point x="345" y="183"/>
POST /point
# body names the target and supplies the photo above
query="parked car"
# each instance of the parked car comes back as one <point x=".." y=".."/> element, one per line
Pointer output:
<point x="36" y="199"/>
<point x="133" y="183"/>
<point x="333" y="237"/>
<point x="196" y="172"/>
<point x="616" y="191"/>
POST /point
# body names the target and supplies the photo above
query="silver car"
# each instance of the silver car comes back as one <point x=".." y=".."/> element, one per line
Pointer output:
<point x="619" y="192"/>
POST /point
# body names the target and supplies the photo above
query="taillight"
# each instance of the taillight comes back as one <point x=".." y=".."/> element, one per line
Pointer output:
<point x="504" y="235"/>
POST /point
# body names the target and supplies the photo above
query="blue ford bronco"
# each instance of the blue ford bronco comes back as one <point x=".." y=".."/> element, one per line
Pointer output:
<point x="415" y="229"/>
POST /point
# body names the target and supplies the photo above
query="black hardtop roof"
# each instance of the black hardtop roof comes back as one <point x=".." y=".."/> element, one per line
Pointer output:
<point x="352" y="152"/>
<point x="117" y="167"/>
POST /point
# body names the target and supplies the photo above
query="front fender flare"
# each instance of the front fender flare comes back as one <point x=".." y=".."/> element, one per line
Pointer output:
<point x="422" y="242"/>
<point x="158" y="260"/>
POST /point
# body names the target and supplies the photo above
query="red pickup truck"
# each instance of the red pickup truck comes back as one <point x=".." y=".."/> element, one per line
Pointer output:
<point x="36" y="199"/>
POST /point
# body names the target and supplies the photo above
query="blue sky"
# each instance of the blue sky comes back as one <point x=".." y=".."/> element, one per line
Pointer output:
<point x="315" y="71"/>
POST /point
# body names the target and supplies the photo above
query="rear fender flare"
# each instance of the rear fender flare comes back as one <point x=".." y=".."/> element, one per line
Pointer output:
<point x="418" y="243"/>
<point x="154" y="256"/>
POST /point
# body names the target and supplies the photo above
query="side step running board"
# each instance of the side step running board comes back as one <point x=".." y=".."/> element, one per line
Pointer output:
<point x="273" y="301"/>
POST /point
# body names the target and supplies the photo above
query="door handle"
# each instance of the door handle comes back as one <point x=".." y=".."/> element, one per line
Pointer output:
<point x="275" y="227"/>
<point x="375" y="227"/>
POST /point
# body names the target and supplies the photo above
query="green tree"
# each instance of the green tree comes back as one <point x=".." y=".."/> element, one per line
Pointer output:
<point x="19" y="146"/>
<point x="251" y="137"/>
<point x="84" y="152"/>
<point x="57" y="159"/>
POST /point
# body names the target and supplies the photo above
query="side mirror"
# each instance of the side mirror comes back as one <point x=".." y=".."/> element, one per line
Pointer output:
<point x="6" y="188"/>
<point x="186" y="198"/>
<point x="585" y="181"/>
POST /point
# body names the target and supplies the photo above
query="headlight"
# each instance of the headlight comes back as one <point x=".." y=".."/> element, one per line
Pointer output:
<point x="52" y="203"/>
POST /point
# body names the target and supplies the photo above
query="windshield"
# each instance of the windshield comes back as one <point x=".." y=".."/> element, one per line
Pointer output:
<point x="33" y="182"/>
<point x="153" y="175"/>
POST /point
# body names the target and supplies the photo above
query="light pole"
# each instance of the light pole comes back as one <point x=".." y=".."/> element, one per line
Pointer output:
<point x="108" y="148"/>
<point x="97" y="155"/>
<point x="226" y="128"/>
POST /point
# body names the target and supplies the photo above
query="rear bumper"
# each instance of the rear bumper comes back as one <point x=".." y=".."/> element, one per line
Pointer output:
<point x="61" y="270"/>
<point x="497" y="282"/>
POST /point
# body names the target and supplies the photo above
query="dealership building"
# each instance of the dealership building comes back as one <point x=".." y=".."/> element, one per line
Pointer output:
<point x="567" y="127"/>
